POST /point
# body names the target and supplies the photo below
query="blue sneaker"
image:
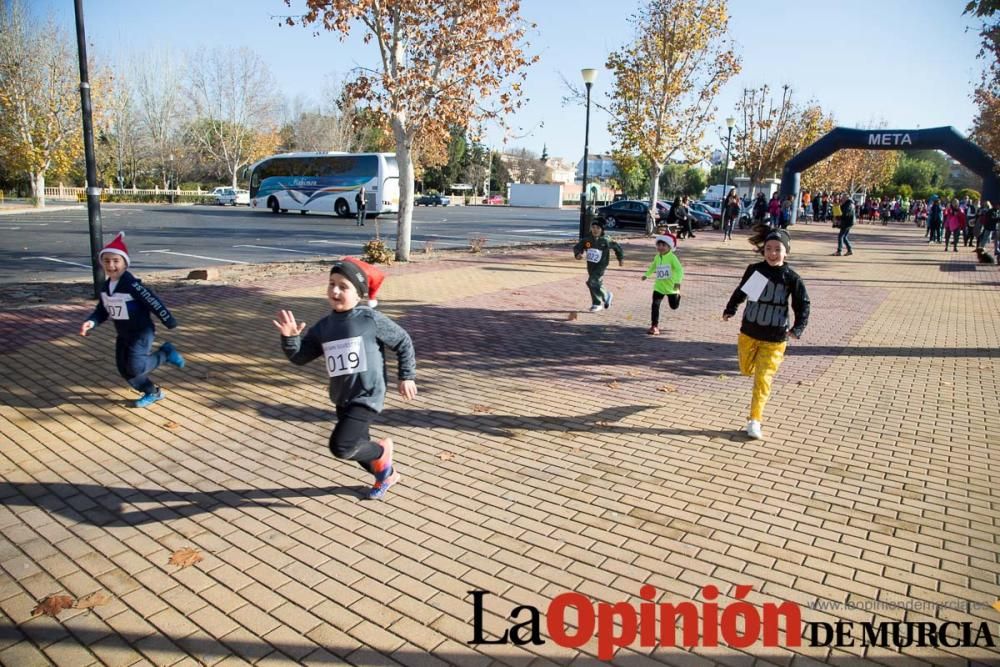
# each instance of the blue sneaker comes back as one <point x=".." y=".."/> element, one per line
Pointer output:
<point x="608" y="298"/>
<point x="147" y="400"/>
<point x="174" y="357"/>
<point x="381" y="486"/>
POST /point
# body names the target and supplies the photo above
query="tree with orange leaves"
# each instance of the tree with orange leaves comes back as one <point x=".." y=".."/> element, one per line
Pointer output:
<point x="666" y="81"/>
<point x="442" y="64"/>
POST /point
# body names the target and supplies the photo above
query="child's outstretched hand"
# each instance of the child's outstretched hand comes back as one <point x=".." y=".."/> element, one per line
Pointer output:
<point x="408" y="389"/>
<point x="287" y="325"/>
<point x="86" y="327"/>
<point x="725" y="317"/>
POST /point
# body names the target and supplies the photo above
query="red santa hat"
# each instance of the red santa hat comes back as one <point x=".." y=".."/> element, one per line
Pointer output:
<point x="669" y="239"/>
<point x="373" y="276"/>
<point x="116" y="247"/>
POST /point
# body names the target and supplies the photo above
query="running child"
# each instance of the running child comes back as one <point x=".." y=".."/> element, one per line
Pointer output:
<point x="765" y="329"/>
<point x="129" y="303"/>
<point x="598" y="251"/>
<point x="351" y="340"/>
<point x="669" y="274"/>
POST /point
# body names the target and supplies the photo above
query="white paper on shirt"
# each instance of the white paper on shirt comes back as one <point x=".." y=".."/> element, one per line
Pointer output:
<point x="754" y="286"/>
<point x="663" y="272"/>
<point x="594" y="255"/>
<point x="116" y="305"/>
<point x="345" y="356"/>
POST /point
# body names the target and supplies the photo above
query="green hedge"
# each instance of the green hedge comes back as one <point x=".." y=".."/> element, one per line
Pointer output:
<point x="150" y="199"/>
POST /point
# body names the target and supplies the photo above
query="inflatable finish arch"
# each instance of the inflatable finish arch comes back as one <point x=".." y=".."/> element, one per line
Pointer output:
<point x="946" y="139"/>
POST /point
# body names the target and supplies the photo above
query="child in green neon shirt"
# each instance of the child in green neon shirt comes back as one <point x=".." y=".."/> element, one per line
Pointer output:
<point x="669" y="274"/>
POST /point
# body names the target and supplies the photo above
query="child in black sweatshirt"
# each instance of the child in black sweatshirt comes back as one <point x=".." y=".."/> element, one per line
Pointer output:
<point x="766" y="326"/>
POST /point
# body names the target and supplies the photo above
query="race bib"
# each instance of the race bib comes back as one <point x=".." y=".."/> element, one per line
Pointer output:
<point x="594" y="255"/>
<point x="345" y="356"/>
<point x="116" y="305"/>
<point x="663" y="272"/>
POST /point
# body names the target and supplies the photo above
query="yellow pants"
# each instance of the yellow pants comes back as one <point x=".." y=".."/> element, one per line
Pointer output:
<point x="761" y="360"/>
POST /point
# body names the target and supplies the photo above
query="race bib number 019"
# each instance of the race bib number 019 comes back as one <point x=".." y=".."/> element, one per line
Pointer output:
<point x="662" y="272"/>
<point x="116" y="305"/>
<point x="594" y="255"/>
<point x="345" y="356"/>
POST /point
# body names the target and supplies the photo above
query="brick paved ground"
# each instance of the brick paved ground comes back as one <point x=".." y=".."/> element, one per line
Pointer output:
<point x="543" y="455"/>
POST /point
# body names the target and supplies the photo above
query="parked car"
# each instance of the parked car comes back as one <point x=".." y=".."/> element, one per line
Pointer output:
<point x="231" y="196"/>
<point x="493" y="199"/>
<point x="705" y="208"/>
<point x="699" y="219"/>
<point x="630" y="212"/>
<point x="432" y="200"/>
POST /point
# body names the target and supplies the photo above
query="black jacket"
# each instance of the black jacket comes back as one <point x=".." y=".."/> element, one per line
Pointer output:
<point x="129" y="306"/>
<point x="767" y="318"/>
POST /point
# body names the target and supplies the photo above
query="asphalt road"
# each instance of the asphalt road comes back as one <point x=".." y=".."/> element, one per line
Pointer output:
<point x="54" y="245"/>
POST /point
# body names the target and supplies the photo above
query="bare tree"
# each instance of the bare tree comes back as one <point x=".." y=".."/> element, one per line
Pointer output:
<point x="40" y="127"/>
<point x="233" y="101"/>
<point x="121" y="133"/>
<point x="158" y="107"/>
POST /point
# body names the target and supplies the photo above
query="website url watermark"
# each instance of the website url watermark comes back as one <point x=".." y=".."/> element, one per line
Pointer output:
<point x="907" y="605"/>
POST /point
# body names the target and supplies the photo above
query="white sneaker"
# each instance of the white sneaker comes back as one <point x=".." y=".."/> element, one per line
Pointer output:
<point x="753" y="430"/>
<point x="595" y="308"/>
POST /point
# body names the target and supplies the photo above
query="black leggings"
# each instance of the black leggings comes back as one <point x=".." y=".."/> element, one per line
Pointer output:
<point x="673" y="299"/>
<point x="350" y="439"/>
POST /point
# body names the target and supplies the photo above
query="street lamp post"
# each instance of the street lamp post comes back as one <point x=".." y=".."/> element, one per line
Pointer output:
<point x="171" y="180"/>
<point x="589" y="75"/>
<point x="730" y="122"/>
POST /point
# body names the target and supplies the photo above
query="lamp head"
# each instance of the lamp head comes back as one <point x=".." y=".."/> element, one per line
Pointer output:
<point x="589" y="75"/>
<point x="730" y="122"/>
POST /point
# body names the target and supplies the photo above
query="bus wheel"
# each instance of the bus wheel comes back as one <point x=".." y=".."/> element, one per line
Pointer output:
<point x="341" y="208"/>
<point x="302" y="212"/>
<point x="272" y="204"/>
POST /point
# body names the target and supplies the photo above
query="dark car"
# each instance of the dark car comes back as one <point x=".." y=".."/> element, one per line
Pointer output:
<point x="699" y="220"/>
<point x="432" y="200"/>
<point x="630" y="212"/>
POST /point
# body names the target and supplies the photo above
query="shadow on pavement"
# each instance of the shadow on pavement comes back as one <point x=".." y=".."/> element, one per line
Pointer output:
<point x="106" y="506"/>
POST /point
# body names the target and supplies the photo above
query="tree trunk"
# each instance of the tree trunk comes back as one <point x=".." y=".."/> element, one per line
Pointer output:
<point x="38" y="187"/>
<point x="404" y="158"/>
<point x="654" y="172"/>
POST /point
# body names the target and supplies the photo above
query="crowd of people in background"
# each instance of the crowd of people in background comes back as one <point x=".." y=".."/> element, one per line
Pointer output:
<point x="969" y="221"/>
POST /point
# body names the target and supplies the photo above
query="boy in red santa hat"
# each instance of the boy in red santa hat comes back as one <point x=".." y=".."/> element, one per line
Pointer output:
<point x="129" y="303"/>
<point x="351" y="340"/>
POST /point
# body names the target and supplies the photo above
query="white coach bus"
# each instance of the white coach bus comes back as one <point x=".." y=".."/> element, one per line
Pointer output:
<point x="325" y="183"/>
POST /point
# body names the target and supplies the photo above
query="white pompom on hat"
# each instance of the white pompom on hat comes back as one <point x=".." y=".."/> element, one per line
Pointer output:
<point x="669" y="239"/>
<point x="116" y="247"/>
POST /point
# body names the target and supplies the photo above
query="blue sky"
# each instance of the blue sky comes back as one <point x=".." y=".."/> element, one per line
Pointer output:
<point x="909" y="62"/>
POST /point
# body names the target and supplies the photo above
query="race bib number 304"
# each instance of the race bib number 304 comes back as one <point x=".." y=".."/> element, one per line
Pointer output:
<point x="662" y="272"/>
<point x="345" y="356"/>
<point x="594" y="255"/>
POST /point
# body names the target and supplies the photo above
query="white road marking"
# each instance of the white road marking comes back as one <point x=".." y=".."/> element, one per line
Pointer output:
<point x="61" y="261"/>
<point x="264" y="247"/>
<point x="183" y="254"/>
<point x="10" y="228"/>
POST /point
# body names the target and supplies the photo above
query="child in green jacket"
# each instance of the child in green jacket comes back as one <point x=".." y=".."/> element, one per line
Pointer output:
<point x="669" y="273"/>
<point x="597" y="248"/>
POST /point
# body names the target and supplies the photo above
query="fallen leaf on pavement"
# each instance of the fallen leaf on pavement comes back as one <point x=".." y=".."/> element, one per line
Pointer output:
<point x="97" y="599"/>
<point x="613" y="384"/>
<point x="723" y="377"/>
<point x="667" y="388"/>
<point x="603" y="424"/>
<point x="633" y="373"/>
<point x="482" y="408"/>
<point x="185" y="557"/>
<point x="572" y="317"/>
<point x="52" y="605"/>
<point x="446" y="456"/>
<point x="172" y="425"/>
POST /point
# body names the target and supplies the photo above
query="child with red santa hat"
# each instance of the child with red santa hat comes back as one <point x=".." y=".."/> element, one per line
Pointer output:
<point x="351" y="340"/>
<point x="128" y="303"/>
